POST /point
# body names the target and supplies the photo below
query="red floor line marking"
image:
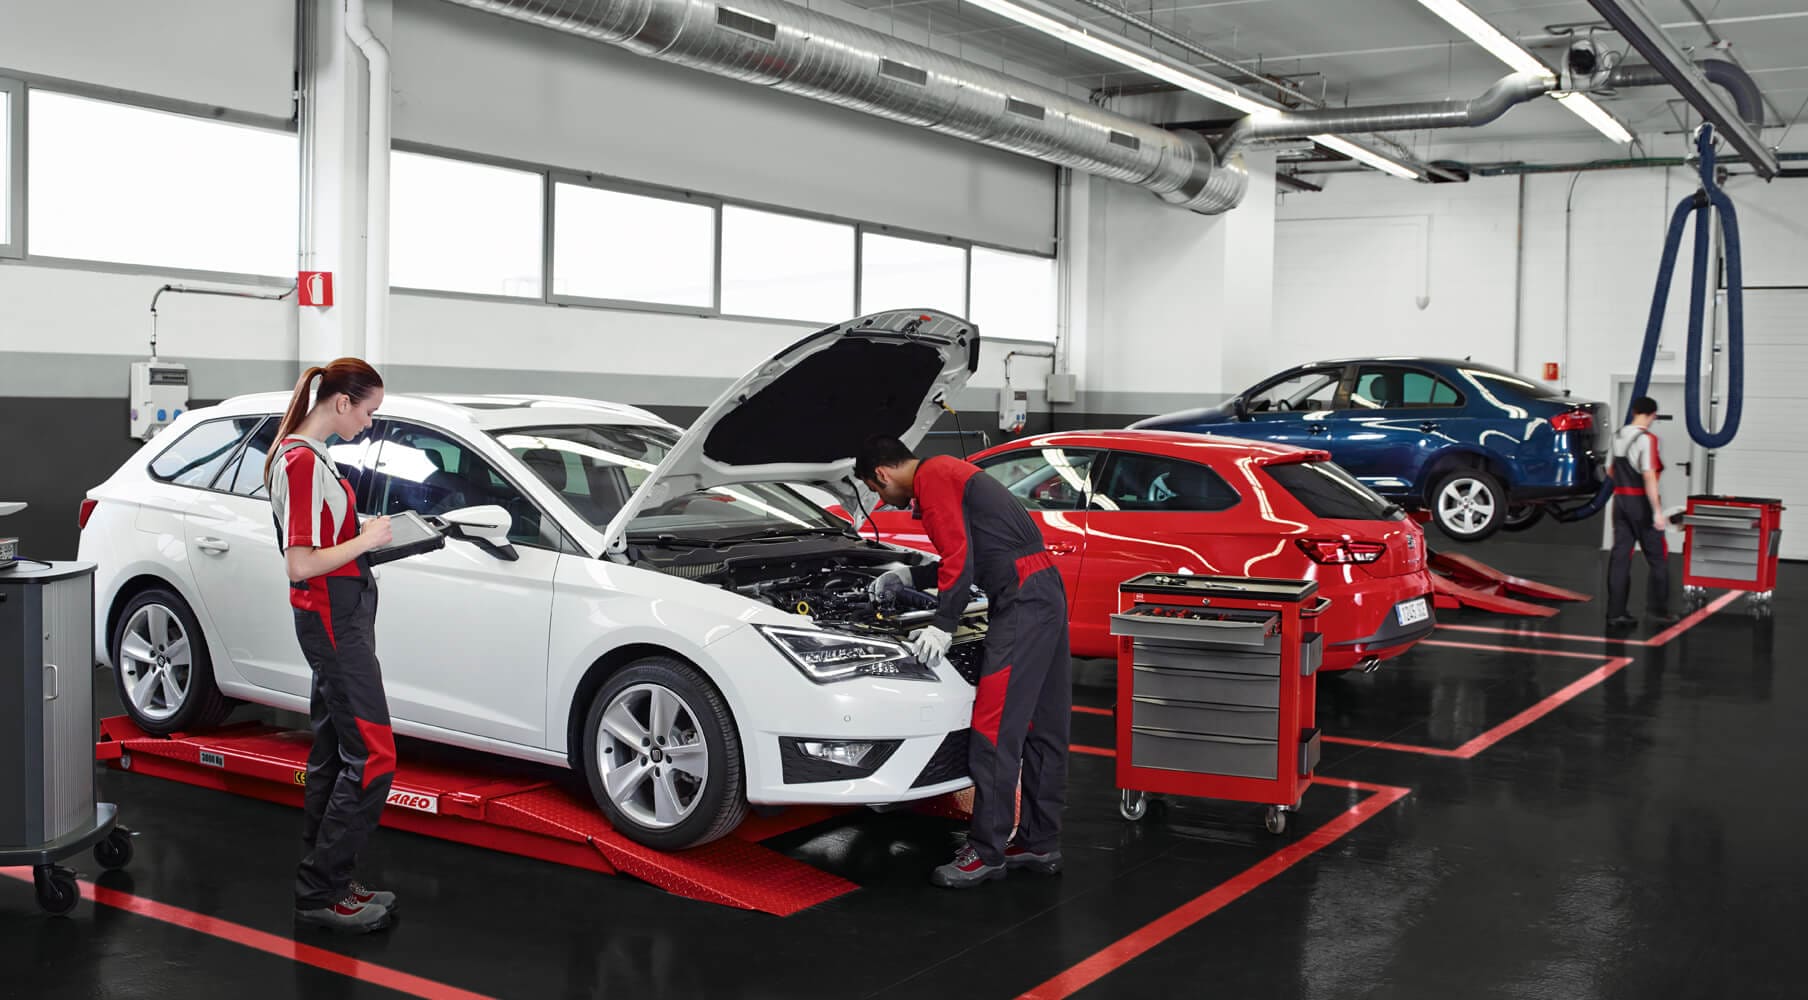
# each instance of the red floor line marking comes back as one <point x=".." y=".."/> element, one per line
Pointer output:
<point x="1119" y="953"/>
<point x="1509" y="649"/>
<point x="1089" y="710"/>
<point x="274" y="944"/>
<point x="1662" y="638"/>
<point x="1543" y="708"/>
<point x="1400" y="747"/>
<point x="1094" y="751"/>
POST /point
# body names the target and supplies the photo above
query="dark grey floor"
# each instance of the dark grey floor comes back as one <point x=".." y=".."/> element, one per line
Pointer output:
<point x="1638" y="841"/>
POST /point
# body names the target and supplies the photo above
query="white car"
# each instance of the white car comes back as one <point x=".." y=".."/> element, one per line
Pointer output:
<point x="659" y="609"/>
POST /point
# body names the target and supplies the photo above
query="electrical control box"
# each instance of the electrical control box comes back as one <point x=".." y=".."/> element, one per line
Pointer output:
<point x="1063" y="387"/>
<point x="158" y="396"/>
<point x="1013" y="409"/>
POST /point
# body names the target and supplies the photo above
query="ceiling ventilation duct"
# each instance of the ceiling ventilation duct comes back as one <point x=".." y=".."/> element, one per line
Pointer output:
<point x="799" y="51"/>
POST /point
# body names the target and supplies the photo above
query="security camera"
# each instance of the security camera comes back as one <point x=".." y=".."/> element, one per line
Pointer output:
<point x="1585" y="67"/>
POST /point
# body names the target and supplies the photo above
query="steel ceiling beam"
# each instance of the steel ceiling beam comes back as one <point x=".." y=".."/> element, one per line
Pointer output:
<point x="1637" y="26"/>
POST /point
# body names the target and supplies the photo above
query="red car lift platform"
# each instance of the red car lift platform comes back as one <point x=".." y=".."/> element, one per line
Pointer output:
<point x="502" y="806"/>
<point x="1463" y="582"/>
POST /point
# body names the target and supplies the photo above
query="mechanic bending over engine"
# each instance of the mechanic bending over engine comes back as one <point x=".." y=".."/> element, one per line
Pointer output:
<point x="1022" y="711"/>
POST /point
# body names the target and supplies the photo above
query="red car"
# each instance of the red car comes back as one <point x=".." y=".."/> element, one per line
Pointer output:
<point x="1115" y="504"/>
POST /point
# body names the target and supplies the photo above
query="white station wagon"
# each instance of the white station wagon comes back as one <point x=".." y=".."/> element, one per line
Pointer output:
<point x="660" y="609"/>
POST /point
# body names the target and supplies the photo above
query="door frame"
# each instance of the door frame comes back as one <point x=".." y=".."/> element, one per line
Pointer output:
<point x="1697" y="455"/>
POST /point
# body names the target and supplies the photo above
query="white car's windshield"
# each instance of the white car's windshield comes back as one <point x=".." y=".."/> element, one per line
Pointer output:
<point x="595" y="468"/>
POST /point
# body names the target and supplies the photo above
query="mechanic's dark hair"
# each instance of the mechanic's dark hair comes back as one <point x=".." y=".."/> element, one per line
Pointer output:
<point x="881" y="451"/>
<point x="351" y="376"/>
<point x="1643" y="406"/>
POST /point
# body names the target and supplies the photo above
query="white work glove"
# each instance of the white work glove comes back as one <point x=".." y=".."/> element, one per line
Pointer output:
<point x="890" y="580"/>
<point x="930" y="645"/>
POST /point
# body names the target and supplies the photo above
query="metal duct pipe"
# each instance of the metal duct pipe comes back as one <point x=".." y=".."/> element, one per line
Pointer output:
<point x="1730" y="76"/>
<point x="799" y="51"/>
<point x="1506" y="92"/>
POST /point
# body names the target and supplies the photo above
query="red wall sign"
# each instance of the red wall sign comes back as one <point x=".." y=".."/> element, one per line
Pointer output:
<point x="1550" y="371"/>
<point x="315" y="288"/>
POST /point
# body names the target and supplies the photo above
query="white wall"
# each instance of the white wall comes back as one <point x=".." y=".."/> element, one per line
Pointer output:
<point x="231" y="53"/>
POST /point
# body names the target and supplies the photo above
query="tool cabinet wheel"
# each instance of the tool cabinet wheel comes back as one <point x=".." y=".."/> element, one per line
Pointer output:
<point x="1133" y="805"/>
<point x="57" y="891"/>
<point x="115" y="852"/>
<point x="1275" y="820"/>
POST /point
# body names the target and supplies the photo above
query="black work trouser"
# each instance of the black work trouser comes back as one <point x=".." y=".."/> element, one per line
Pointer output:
<point x="353" y="760"/>
<point x="1633" y="523"/>
<point x="1021" y="719"/>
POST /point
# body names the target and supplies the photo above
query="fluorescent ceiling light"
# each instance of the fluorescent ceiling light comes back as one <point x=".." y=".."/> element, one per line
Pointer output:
<point x="1458" y="15"/>
<point x="1368" y="156"/>
<point x="1169" y="72"/>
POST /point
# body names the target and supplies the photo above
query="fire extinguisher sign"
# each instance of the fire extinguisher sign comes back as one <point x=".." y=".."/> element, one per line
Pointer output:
<point x="315" y="288"/>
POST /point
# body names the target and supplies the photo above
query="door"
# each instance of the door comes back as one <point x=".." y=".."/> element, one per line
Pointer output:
<point x="462" y="632"/>
<point x="1149" y="514"/>
<point x="1769" y="457"/>
<point x="1292" y="408"/>
<point x="1672" y="432"/>
<point x="1052" y="484"/>
<point x="1397" y="418"/>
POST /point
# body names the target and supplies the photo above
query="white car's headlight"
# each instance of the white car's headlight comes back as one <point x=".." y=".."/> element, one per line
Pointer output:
<point x="837" y="656"/>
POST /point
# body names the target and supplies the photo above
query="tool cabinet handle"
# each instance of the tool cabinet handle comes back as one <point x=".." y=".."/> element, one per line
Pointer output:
<point x="56" y="682"/>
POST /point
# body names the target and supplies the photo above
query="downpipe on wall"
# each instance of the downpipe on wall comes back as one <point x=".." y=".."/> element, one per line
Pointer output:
<point x="376" y="204"/>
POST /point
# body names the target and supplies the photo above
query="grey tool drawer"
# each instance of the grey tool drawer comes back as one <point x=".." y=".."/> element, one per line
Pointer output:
<point x="1196" y="685"/>
<point x="1250" y="632"/>
<point x="1196" y="754"/>
<point x="1742" y="521"/>
<point x="1206" y="718"/>
<point x="1308" y="751"/>
<point x="1312" y="653"/>
<point x="1230" y="661"/>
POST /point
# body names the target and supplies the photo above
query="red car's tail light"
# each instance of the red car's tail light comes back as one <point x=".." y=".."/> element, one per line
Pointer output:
<point x="88" y="506"/>
<point x="1573" y="420"/>
<point x="1339" y="551"/>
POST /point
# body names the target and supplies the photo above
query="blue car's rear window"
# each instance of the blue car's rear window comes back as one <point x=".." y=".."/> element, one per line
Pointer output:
<point x="1328" y="491"/>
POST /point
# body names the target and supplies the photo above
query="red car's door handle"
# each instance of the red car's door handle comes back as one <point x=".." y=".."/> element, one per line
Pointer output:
<point x="1062" y="548"/>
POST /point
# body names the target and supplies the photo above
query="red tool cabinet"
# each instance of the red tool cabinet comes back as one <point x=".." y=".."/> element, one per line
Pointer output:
<point x="1731" y="542"/>
<point x="1217" y="687"/>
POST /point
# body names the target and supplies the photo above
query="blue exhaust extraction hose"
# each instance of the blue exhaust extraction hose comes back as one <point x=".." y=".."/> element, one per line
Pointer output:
<point x="1700" y="204"/>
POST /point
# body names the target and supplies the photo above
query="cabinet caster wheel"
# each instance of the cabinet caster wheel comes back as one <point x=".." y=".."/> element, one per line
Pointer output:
<point x="115" y="852"/>
<point x="1275" y="820"/>
<point x="1133" y="806"/>
<point x="57" y="891"/>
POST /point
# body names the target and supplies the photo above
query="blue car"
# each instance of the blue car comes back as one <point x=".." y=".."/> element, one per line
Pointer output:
<point x="1479" y="446"/>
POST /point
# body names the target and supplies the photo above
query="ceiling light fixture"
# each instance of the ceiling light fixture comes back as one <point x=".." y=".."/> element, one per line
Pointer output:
<point x="1458" y="15"/>
<point x="1368" y="156"/>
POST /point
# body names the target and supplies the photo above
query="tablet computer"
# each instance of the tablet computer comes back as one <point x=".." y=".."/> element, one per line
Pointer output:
<point x="411" y="536"/>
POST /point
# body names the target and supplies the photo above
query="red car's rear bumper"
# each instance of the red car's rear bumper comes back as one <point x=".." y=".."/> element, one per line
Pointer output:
<point x="1365" y="625"/>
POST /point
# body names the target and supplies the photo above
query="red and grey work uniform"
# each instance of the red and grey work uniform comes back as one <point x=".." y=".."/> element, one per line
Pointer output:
<point x="353" y="759"/>
<point x="1022" y="711"/>
<point x="1635" y="451"/>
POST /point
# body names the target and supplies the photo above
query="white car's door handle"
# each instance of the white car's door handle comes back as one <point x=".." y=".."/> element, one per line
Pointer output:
<point x="214" y="545"/>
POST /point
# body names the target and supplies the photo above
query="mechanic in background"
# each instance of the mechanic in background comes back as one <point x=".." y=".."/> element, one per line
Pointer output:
<point x="1021" y="712"/>
<point x="1638" y="516"/>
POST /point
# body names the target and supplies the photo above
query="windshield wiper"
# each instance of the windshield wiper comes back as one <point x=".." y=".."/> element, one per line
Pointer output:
<point x="671" y="541"/>
<point x="780" y="534"/>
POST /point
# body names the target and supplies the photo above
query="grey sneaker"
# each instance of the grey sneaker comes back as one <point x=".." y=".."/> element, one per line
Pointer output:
<point x="966" y="870"/>
<point x="348" y="916"/>
<point x="366" y="895"/>
<point x="1041" y="862"/>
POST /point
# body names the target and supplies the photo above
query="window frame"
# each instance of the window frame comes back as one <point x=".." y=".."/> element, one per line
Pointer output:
<point x="15" y="193"/>
<point x="1054" y="258"/>
<point x="550" y="238"/>
<point x="1340" y="396"/>
<point x="1114" y="455"/>
<point x="564" y="544"/>
<point x="232" y="453"/>
<point x="1355" y="383"/>
<point x="1098" y="457"/>
<point x="502" y="163"/>
<point x="721" y="229"/>
<point x="917" y="236"/>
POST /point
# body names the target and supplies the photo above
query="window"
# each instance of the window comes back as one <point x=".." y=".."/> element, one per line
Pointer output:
<point x="197" y="457"/>
<point x="1044" y="478"/>
<point x="617" y="246"/>
<point x="1327" y="490"/>
<point x="1157" y="483"/>
<point x="1312" y="389"/>
<point x="457" y="226"/>
<point x="428" y="472"/>
<point x="245" y="474"/>
<point x="1497" y="379"/>
<point x="1380" y="387"/>
<point x="898" y="273"/>
<point x="786" y="267"/>
<point x="12" y="171"/>
<point x="133" y="186"/>
<point x="1013" y="295"/>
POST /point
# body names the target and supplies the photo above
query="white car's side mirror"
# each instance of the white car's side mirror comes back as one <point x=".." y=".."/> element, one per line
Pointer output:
<point x="490" y="522"/>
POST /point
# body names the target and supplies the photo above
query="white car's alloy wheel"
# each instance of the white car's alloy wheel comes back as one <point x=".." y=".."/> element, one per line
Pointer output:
<point x="156" y="662"/>
<point x="651" y="755"/>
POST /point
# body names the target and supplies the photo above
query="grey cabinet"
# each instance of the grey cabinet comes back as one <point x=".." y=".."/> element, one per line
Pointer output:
<point x="46" y="704"/>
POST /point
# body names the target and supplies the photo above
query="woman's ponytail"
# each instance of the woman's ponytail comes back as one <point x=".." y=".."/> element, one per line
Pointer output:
<point x="298" y="408"/>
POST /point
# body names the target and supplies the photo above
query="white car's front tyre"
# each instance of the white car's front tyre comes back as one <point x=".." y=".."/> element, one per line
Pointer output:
<point x="161" y="666"/>
<point x="663" y="757"/>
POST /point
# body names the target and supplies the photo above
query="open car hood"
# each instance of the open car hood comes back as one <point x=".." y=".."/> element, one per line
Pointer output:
<point x="799" y="417"/>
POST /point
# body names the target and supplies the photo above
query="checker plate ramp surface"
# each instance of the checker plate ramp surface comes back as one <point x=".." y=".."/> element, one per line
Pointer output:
<point x="504" y="806"/>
